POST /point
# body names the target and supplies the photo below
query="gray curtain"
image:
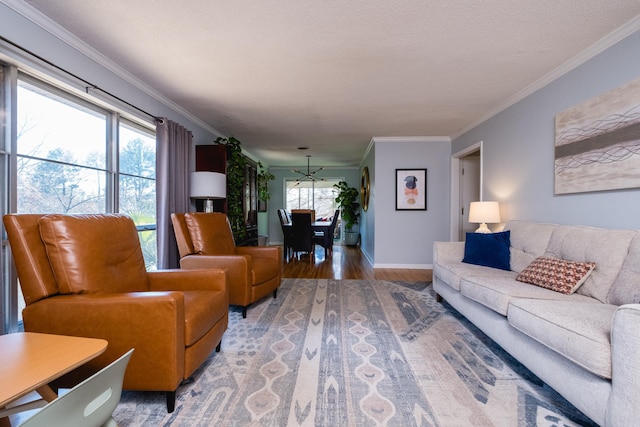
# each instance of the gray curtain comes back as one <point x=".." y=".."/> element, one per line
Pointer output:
<point x="173" y="151"/>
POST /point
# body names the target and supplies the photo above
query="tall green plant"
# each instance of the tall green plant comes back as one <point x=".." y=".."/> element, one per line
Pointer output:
<point x="236" y="163"/>
<point x="349" y="207"/>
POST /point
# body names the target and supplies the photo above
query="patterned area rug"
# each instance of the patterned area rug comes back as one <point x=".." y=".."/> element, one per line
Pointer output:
<point x="355" y="353"/>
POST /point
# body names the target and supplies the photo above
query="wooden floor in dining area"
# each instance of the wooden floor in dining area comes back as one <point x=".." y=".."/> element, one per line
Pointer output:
<point x="347" y="262"/>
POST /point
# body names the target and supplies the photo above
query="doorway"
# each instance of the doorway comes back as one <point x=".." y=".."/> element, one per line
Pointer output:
<point x="469" y="190"/>
<point x="466" y="187"/>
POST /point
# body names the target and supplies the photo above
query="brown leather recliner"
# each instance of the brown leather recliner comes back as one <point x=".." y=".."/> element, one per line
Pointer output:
<point x="205" y="240"/>
<point x="84" y="275"/>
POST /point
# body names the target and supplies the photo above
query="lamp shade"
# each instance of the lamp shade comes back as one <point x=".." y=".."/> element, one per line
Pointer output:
<point x="208" y="185"/>
<point x="484" y="212"/>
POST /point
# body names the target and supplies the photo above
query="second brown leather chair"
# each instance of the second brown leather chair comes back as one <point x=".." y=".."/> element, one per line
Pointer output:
<point x="205" y="240"/>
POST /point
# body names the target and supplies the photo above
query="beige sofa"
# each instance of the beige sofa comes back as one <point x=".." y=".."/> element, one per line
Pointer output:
<point x="585" y="345"/>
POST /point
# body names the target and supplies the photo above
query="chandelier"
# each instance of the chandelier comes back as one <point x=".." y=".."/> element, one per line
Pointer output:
<point x="309" y="176"/>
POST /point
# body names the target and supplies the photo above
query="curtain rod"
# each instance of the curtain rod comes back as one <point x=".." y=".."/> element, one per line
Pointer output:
<point x="88" y="84"/>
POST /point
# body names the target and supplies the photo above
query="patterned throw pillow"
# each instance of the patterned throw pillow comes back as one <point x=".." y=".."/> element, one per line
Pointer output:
<point x="556" y="274"/>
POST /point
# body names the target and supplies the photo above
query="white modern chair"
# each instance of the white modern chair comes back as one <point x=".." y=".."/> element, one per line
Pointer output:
<point x="89" y="404"/>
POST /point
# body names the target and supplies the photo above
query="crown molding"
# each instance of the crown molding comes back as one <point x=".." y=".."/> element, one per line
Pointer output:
<point x="410" y="139"/>
<point x="51" y="27"/>
<point x="372" y="143"/>
<point x="604" y="43"/>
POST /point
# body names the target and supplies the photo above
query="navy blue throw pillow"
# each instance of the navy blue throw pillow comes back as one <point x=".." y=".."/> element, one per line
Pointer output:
<point x="489" y="250"/>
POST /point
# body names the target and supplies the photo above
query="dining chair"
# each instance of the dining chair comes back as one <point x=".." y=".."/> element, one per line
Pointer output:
<point x="287" y="231"/>
<point x="90" y="403"/>
<point x="307" y="211"/>
<point x="302" y="234"/>
<point x="325" y="238"/>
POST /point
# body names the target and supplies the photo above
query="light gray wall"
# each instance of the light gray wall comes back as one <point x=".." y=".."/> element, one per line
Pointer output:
<point x="518" y="146"/>
<point x="276" y="188"/>
<point x="368" y="218"/>
<point x="404" y="239"/>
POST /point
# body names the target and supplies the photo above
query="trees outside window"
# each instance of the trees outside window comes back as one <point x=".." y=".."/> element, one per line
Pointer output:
<point x="65" y="164"/>
<point x="318" y="195"/>
<point x="137" y="185"/>
<point x="62" y="152"/>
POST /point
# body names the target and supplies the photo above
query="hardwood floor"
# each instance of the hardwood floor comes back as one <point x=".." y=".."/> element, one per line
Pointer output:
<point x="347" y="262"/>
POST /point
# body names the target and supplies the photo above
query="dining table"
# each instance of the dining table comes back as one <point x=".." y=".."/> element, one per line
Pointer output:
<point x="29" y="361"/>
<point x="315" y="225"/>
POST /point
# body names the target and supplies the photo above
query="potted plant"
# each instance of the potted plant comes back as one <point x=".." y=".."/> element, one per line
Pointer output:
<point x="236" y="163"/>
<point x="264" y="176"/>
<point x="349" y="210"/>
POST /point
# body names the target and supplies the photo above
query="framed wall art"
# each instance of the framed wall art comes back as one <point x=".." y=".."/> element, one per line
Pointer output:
<point x="597" y="143"/>
<point x="411" y="189"/>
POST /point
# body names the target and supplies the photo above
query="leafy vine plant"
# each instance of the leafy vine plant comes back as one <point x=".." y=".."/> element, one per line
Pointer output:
<point x="264" y="176"/>
<point x="236" y="163"/>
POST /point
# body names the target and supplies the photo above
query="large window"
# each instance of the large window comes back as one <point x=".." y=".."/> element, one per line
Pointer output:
<point x="74" y="156"/>
<point x="318" y="195"/>
<point x="137" y="185"/>
<point x="67" y="162"/>
<point x="61" y="153"/>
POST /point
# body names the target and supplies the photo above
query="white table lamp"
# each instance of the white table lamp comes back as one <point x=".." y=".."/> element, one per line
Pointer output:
<point x="483" y="213"/>
<point x="208" y="186"/>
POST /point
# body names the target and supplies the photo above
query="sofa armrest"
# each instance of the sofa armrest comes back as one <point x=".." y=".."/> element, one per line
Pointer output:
<point x="270" y="252"/>
<point x="151" y="322"/>
<point x="447" y="252"/>
<point x="188" y="280"/>
<point x="624" y="402"/>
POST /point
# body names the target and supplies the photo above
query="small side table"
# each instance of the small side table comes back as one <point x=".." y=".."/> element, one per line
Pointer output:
<point x="30" y="361"/>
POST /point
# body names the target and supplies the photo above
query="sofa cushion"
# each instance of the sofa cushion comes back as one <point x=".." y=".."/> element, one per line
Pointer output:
<point x="529" y="240"/>
<point x="579" y="331"/>
<point x="489" y="250"/>
<point x="452" y="272"/>
<point x="94" y="253"/>
<point x="497" y="292"/>
<point x="607" y="248"/>
<point x="556" y="274"/>
<point x="626" y="288"/>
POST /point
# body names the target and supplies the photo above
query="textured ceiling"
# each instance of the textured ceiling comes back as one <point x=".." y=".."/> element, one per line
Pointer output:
<point x="332" y="74"/>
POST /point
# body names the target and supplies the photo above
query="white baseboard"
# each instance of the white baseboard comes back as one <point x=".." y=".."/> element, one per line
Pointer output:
<point x="405" y="266"/>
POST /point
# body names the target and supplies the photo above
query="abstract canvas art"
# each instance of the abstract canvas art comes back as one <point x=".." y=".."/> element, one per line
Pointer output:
<point x="597" y="143"/>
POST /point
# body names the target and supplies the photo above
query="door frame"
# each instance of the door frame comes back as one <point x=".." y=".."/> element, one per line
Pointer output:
<point x="455" y="187"/>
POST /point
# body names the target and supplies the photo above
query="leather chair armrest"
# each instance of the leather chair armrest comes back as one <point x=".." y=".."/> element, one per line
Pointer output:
<point x="271" y="252"/>
<point x="151" y="322"/>
<point x="238" y="268"/>
<point x="188" y="280"/>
